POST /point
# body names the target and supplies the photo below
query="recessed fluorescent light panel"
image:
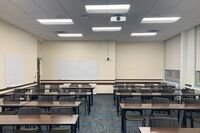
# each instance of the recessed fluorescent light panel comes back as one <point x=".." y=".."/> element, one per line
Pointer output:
<point x="55" y="21"/>
<point x="70" y="35"/>
<point x="106" y="29"/>
<point x="123" y="8"/>
<point x="160" y="20"/>
<point x="118" y="18"/>
<point x="144" y="34"/>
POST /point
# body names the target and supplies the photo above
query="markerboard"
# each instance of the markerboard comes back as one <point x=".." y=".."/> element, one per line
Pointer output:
<point x="78" y="69"/>
<point x="13" y="71"/>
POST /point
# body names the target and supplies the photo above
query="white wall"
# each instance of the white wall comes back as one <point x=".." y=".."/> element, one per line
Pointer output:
<point x="198" y="49"/>
<point x="142" y="60"/>
<point x="172" y="53"/>
<point x="52" y="52"/>
<point x="15" y="42"/>
<point x="139" y="60"/>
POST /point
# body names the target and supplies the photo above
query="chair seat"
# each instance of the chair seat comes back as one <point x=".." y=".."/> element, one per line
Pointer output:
<point x="196" y="118"/>
<point x="9" y="112"/>
<point x="134" y="117"/>
<point x="27" y="130"/>
<point x="59" y="130"/>
<point x="161" y="115"/>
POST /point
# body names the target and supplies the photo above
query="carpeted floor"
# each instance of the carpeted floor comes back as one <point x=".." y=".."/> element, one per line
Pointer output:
<point x="103" y="118"/>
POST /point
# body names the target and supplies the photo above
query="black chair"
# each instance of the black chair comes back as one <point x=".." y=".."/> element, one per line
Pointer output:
<point x="136" y="115"/>
<point x="188" y="93"/>
<point x="61" y="111"/>
<point x="156" y="101"/>
<point x="67" y="99"/>
<point x="164" y="122"/>
<point x="9" y="100"/>
<point x="59" y="130"/>
<point x="45" y="98"/>
<point x="193" y="116"/>
<point x="54" y="88"/>
<point x="29" y="111"/>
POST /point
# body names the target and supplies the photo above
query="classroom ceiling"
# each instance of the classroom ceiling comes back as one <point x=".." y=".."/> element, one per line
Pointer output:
<point x="23" y="14"/>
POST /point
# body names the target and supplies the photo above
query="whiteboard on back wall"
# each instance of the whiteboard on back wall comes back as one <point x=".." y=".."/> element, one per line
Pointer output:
<point x="13" y="71"/>
<point x="78" y="69"/>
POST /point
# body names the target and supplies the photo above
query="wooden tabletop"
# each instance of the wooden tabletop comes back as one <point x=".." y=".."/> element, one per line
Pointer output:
<point x="159" y="106"/>
<point x="12" y="103"/>
<point x="52" y="104"/>
<point x="168" y="130"/>
<point x="52" y="93"/>
<point x="38" y="119"/>
<point x="155" y="94"/>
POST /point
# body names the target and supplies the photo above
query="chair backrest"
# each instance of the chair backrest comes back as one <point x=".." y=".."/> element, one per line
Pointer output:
<point x="160" y="101"/>
<point x="37" y="90"/>
<point x="132" y="100"/>
<point x="188" y="91"/>
<point x="190" y="101"/>
<point x="8" y="99"/>
<point x="21" y="91"/>
<point x="54" y="86"/>
<point x="61" y="111"/>
<point x="148" y="85"/>
<point x="162" y="84"/>
<point x="54" y="90"/>
<point x="86" y="85"/>
<point x="59" y="130"/>
<point x="74" y="85"/>
<point x="45" y="98"/>
<point x="42" y="86"/>
<point x="29" y="111"/>
<point x="165" y="122"/>
<point x="67" y="99"/>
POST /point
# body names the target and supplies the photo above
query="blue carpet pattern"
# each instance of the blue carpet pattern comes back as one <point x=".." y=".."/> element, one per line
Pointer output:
<point x="103" y="118"/>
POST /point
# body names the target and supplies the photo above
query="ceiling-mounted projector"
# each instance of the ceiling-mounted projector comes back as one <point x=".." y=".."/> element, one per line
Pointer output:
<point x="118" y="18"/>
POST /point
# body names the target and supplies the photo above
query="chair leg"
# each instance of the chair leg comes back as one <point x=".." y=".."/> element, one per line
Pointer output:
<point x="192" y="123"/>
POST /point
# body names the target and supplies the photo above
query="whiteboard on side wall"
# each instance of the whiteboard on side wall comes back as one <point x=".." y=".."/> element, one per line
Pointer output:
<point x="78" y="69"/>
<point x="13" y="71"/>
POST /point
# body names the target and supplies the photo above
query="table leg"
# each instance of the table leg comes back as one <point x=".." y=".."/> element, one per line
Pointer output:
<point x="179" y="112"/>
<point x="123" y="121"/>
<point x="89" y="105"/>
<point x="114" y="97"/>
<point x="1" y="129"/>
<point x="118" y="105"/>
<point x="184" y="123"/>
<point x="72" y="128"/>
<point x="77" y="112"/>
<point x="86" y="104"/>
<point x="92" y="97"/>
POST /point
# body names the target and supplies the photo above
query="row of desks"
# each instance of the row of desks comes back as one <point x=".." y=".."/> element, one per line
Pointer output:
<point x="168" y="130"/>
<point x="87" y="95"/>
<point x="179" y="107"/>
<point x="19" y="120"/>
<point x="121" y="95"/>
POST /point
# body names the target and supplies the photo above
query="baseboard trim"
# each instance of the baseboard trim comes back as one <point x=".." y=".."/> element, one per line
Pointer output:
<point x="104" y="94"/>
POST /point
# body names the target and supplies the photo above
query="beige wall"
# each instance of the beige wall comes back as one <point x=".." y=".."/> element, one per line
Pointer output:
<point x="55" y="51"/>
<point x="172" y="53"/>
<point x="142" y="60"/>
<point x="198" y="49"/>
<point x="15" y="42"/>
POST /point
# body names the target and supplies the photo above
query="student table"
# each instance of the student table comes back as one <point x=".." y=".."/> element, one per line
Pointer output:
<point x="126" y="94"/>
<point x="18" y="120"/>
<point x="179" y="107"/>
<point x="168" y="130"/>
<point x="87" y="96"/>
